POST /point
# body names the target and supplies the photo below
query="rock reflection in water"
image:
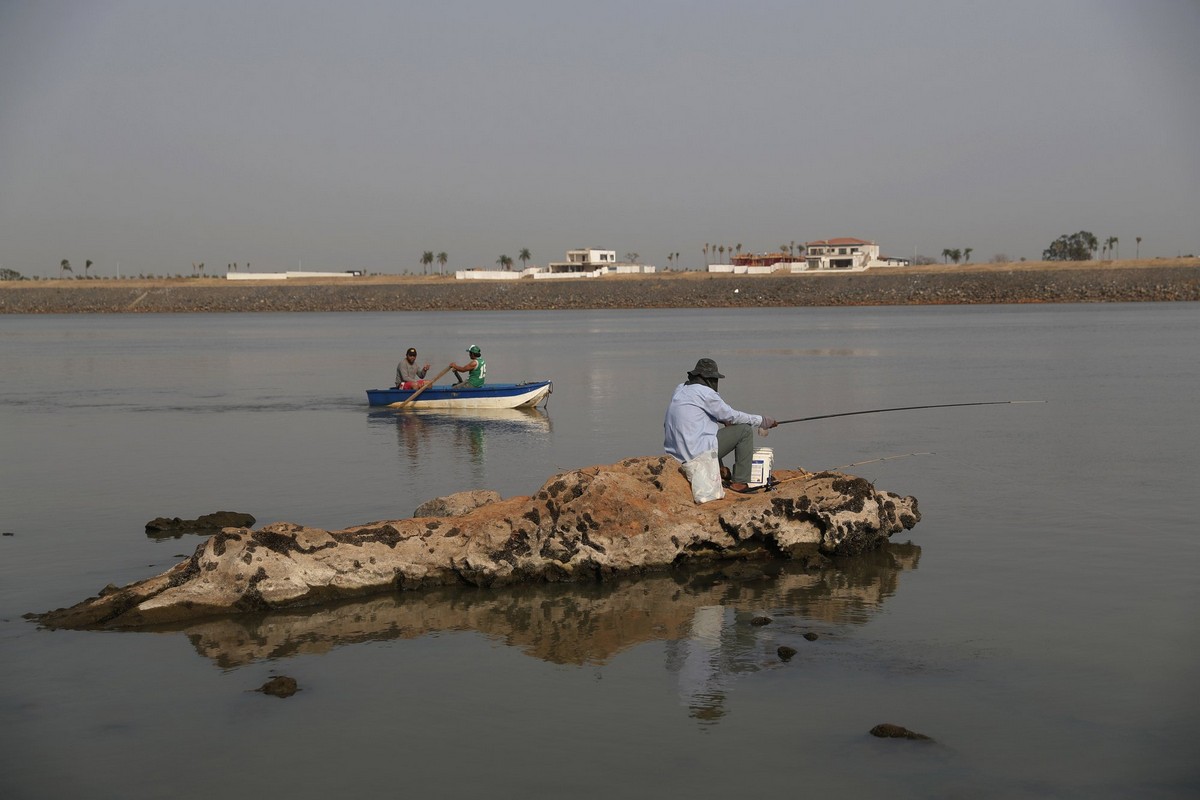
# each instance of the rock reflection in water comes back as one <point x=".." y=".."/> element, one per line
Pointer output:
<point x="467" y="428"/>
<point x="703" y="615"/>
<point x="719" y="644"/>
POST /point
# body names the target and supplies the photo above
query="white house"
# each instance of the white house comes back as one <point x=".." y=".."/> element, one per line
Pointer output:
<point x="590" y="262"/>
<point x="847" y="254"/>
<point x="584" y="260"/>
<point x="587" y="262"/>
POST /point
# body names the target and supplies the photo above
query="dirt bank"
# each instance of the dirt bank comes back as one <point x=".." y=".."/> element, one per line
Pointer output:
<point x="1087" y="282"/>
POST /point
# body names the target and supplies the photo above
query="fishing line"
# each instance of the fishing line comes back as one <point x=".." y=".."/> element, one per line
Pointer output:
<point x="877" y="460"/>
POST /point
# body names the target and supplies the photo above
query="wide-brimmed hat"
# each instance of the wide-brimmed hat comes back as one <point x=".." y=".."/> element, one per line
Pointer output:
<point x="705" y="368"/>
<point x="474" y="350"/>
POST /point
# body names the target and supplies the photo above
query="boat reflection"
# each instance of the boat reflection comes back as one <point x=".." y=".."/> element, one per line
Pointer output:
<point x="702" y="616"/>
<point x="465" y="427"/>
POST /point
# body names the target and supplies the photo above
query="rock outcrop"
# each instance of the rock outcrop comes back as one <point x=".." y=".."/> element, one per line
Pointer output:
<point x="586" y="524"/>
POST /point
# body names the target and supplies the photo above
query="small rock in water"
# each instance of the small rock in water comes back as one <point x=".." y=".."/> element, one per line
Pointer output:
<point x="280" y="686"/>
<point x="889" y="731"/>
<point x="8" y="533"/>
<point x="761" y="621"/>
<point x="812" y="637"/>
<point x="458" y="504"/>
<point x="742" y="572"/>
<point x="812" y="561"/>
<point x="785" y="653"/>
<point x="205" y="523"/>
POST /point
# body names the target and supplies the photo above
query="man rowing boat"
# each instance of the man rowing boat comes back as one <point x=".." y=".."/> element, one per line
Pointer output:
<point x="476" y="369"/>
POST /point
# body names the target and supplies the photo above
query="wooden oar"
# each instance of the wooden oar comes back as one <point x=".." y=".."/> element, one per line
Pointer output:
<point x="414" y="395"/>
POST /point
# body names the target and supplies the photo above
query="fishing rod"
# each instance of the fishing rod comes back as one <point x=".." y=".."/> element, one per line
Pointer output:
<point x="907" y="408"/>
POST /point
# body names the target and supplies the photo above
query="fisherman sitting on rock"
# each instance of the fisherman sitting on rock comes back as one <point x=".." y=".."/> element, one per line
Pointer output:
<point x="700" y="429"/>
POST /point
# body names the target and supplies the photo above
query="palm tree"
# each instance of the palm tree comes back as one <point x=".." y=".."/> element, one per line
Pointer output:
<point x="967" y="253"/>
<point x="1111" y="244"/>
<point x="86" y="266"/>
<point x="706" y="254"/>
<point x="670" y="260"/>
<point x="64" y="266"/>
<point x="956" y="255"/>
<point x="505" y="262"/>
<point x="442" y="258"/>
<point x="1137" y="251"/>
<point x="524" y="256"/>
<point x="202" y="268"/>
<point x="721" y="250"/>
<point x="946" y="254"/>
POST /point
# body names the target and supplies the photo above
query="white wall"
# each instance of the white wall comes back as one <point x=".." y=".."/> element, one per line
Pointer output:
<point x="280" y="276"/>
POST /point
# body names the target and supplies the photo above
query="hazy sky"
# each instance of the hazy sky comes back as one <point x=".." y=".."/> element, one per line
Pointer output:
<point x="360" y="134"/>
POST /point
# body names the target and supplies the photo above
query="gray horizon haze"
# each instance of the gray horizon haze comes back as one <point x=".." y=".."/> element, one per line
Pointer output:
<point x="359" y="135"/>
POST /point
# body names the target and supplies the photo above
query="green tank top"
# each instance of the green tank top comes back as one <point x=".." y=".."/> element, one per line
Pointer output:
<point x="479" y="374"/>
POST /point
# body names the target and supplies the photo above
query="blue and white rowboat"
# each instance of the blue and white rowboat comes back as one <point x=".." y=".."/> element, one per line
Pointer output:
<point x="493" y="395"/>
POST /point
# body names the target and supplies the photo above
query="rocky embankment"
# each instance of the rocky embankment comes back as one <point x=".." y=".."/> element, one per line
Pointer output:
<point x="903" y="286"/>
<point x="588" y="524"/>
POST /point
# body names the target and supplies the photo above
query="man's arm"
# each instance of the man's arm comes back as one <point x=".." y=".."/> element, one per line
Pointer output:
<point x="724" y="413"/>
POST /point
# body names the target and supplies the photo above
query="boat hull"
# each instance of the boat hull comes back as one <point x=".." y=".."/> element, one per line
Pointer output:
<point x="496" y="395"/>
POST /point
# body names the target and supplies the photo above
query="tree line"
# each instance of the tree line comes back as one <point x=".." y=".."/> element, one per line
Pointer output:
<point x="504" y="261"/>
<point x="1082" y="246"/>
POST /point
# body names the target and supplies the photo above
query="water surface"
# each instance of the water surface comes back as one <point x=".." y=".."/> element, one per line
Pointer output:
<point x="1039" y="622"/>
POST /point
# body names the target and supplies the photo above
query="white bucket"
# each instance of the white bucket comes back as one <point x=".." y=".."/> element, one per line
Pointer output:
<point x="760" y="466"/>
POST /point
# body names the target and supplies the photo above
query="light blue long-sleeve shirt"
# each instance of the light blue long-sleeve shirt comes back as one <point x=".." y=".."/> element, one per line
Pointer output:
<point x="693" y="418"/>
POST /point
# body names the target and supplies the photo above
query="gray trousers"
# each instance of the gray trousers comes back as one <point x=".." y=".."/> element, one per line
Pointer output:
<point x="738" y="439"/>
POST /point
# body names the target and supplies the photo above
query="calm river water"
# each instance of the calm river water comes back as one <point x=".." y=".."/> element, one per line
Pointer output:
<point x="1040" y="623"/>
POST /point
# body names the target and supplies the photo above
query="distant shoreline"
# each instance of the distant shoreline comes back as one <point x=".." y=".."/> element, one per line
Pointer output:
<point x="1041" y="282"/>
